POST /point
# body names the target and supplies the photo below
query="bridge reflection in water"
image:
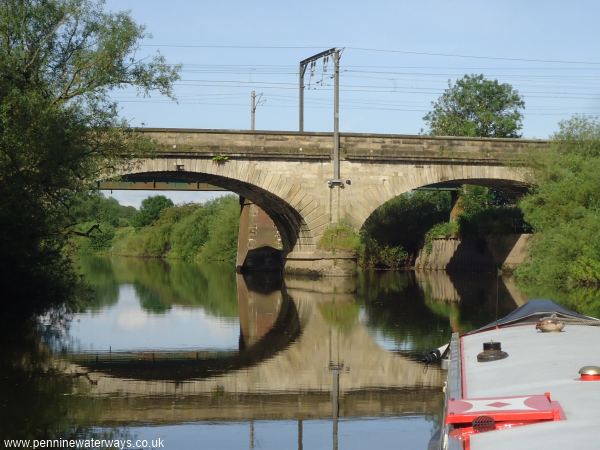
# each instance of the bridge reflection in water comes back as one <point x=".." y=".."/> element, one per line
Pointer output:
<point x="296" y="337"/>
<point x="288" y="341"/>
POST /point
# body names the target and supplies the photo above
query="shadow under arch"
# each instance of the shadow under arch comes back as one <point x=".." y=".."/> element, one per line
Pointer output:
<point x="288" y="221"/>
<point x="407" y="224"/>
<point x="285" y="331"/>
<point x="512" y="187"/>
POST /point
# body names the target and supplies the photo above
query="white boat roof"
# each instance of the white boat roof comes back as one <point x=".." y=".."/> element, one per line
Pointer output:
<point x="538" y="363"/>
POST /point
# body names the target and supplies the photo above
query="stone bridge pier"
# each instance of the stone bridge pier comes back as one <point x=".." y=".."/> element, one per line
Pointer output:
<point x="288" y="175"/>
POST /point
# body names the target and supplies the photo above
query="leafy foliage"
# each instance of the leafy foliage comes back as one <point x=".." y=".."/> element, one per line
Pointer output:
<point x="395" y="232"/>
<point x="440" y="230"/>
<point x="220" y="159"/>
<point x="223" y="226"/>
<point x="404" y="220"/>
<point x="339" y="236"/>
<point x="205" y="232"/>
<point x="498" y="220"/>
<point x="59" y="129"/>
<point x="564" y="208"/>
<point x="478" y="107"/>
<point x="485" y="211"/>
<point x="150" y="210"/>
<point x="92" y="206"/>
<point x="380" y="256"/>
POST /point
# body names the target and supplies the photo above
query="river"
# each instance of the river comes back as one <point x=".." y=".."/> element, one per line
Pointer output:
<point x="200" y="357"/>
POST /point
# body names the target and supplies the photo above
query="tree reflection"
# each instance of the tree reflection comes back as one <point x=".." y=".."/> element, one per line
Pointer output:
<point x="408" y="306"/>
<point x="160" y="284"/>
<point x="396" y="306"/>
<point x="38" y="400"/>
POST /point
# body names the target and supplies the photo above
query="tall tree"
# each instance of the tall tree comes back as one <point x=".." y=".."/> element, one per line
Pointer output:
<point x="474" y="106"/>
<point x="150" y="210"/>
<point x="59" y="129"/>
<point x="477" y="107"/>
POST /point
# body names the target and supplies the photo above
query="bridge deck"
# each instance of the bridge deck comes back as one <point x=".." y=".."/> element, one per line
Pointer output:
<point x="353" y="146"/>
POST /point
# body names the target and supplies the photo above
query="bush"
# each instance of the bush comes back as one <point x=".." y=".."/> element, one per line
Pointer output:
<point x="441" y="230"/>
<point x="564" y="209"/>
<point x="150" y="210"/>
<point x="339" y="236"/>
<point x="189" y="234"/>
<point x="207" y="232"/>
<point x="493" y="221"/>
<point x="374" y="255"/>
<point x="94" y="207"/>
<point x="98" y="240"/>
<point x="223" y="218"/>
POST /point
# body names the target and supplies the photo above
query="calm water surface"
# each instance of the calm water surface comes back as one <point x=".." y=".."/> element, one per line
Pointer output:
<point x="203" y="358"/>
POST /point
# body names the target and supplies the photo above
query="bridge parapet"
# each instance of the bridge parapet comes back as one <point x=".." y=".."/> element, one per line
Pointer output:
<point x="359" y="146"/>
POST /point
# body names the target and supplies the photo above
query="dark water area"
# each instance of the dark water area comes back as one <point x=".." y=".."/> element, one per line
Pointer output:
<point x="202" y="357"/>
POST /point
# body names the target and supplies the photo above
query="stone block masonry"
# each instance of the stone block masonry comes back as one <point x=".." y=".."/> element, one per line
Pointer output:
<point x="287" y="173"/>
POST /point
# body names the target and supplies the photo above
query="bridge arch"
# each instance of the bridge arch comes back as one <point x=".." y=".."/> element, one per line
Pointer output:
<point x="285" y="330"/>
<point x="270" y="191"/>
<point x="386" y="187"/>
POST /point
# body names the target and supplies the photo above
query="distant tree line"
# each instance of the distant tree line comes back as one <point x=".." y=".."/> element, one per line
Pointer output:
<point x="159" y="229"/>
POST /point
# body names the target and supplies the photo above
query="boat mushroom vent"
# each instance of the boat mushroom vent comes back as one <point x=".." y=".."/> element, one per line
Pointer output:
<point x="484" y="423"/>
<point x="550" y="324"/>
<point x="589" y="373"/>
<point x="492" y="351"/>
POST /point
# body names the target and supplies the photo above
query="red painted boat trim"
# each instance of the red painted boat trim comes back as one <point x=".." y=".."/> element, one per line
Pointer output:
<point x="530" y="408"/>
<point x="464" y="433"/>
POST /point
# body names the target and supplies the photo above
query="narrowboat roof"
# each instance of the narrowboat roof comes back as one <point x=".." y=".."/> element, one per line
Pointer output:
<point x="537" y="363"/>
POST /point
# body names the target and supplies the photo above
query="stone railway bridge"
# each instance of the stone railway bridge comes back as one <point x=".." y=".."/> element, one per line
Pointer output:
<point x="289" y="175"/>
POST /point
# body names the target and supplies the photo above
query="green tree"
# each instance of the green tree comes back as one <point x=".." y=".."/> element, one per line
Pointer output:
<point x="92" y="206"/>
<point x="206" y="232"/>
<point x="478" y="107"/>
<point x="150" y="210"/>
<point x="223" y="216"/>
<point x="564" y="208"/>
<point x="59" y="129"/>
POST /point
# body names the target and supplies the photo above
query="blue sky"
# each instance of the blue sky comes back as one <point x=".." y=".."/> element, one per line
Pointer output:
<point x="548" y="50"/>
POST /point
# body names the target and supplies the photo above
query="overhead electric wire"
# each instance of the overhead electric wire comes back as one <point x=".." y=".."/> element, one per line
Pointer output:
<point x="457" y="55"/>
<point x="379" y="89"/>
<point x="319" y="101"/>
<point x="565" y="87"/>
<point x="323" y="107"/>
<point x="378" y="50"/>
